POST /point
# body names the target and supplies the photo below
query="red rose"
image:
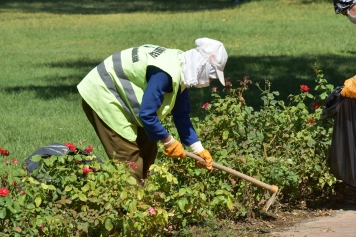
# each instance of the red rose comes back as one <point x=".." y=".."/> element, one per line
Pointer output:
<point x="89" y="149"/>
<point x="311" y="120"/>
<point x="71" y="146"/>
<point x="304" y="88"/>
<point x="4" y="192"/>
<point x="86" y="170"/>
<point x="22" y="192"/>
<point x="4" y="152"/>
<point x="316" y="105"/>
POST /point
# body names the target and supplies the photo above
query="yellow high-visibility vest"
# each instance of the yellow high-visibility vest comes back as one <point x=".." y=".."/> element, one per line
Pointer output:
<point x="114" y="89"/>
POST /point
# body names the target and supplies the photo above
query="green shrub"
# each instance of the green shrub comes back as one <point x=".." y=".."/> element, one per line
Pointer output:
<point x="75" y="195"/>
<point x="78" y="196"/>
<point x="281" y="144"/>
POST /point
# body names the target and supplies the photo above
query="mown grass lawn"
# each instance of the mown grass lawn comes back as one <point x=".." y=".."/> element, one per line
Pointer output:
<point x="47" y="47"/>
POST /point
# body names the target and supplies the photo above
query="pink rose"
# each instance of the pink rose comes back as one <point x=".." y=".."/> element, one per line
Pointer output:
<point x="206" y="105"/>
<point x="133" y="165"/>
<point x="86" y="170"/>
<point x="152" y="211"/>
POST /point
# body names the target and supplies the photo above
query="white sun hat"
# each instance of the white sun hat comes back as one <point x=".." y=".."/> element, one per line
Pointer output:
<point x="215" y="52"/>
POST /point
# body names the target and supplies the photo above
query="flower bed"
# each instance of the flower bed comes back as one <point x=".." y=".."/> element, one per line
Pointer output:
<point x="76" y="195"/>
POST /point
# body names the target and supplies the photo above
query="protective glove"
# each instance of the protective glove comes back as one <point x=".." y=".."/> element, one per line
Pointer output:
<point x="174" y="148"/>
<point x="205" y="154"/>
<point x="349" y="89"/>
<point x="199" y="150"/>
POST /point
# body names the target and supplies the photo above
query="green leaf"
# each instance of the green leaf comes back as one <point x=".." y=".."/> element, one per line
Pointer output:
<point x="169" y="177"/>
<point x="132" y="207"/>
<point x="229" y="204"/>
<point x="51" y="187"/>
<point x="203" y="196"/>
<point x="93" y="186"/>
<point x="61" y="160"/>
<point x="131" y="180"/>
<point x="21" y="199"/>
<point x="225" y="134"/>
<point x="30" y="206"/>
<point x="68" y="188"/>
<point x="323" y="95"/>
<point x="82" y="197"/>
<point x="44" y="186"/>
<point x="85" y="188"/>
<point x="108" y="206"/>
<point x="182" y="191"/>
<point x="184" y="222"/>
<point x="301" y="105"/>
<point x="108" y="224"/>
<point x="17" y="207"/>
<point x="181" y="204"/>
<point x="11" y="209"/>
<point x="38" y="201"/>
<point x="33" y="181"/>
<point x="36" y="158"/>
<point x="140" y="194"/>
<point x="310" y="96"/>
<point x="123" y="195"/>
<point x="2" y="213"/>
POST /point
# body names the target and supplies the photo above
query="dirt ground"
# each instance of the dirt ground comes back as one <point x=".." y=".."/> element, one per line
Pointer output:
<point x="333" y="216"/>
<point x="339" y="223"/>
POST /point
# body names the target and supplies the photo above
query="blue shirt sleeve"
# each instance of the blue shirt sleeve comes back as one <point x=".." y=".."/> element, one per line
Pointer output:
<point x="181" y="119"/>
<point x="158" y="83"/>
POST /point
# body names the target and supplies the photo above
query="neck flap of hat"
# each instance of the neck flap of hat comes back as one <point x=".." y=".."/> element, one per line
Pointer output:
<point x="196" y="69"/>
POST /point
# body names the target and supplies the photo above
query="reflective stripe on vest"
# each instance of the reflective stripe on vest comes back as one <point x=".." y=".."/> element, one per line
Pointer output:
<point x="126" y="84"/>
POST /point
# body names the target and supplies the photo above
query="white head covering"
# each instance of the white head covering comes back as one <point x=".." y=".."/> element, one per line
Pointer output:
<point x="206" y="61"/>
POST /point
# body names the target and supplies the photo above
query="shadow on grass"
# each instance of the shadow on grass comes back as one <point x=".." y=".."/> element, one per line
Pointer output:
<point x="47" y="92"/>
<point x="286" y="74"/>
<point x="113" y="6"/>
<point x="122" y="6"/>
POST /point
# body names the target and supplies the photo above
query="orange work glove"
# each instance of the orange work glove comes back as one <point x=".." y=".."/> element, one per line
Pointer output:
<point x="205" y="154"/>
<point x="349" y="89"/>
<point x="174" y="149"/>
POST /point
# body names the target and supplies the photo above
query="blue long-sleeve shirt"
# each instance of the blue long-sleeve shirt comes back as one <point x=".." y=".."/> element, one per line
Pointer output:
<point x="158" y="83"/>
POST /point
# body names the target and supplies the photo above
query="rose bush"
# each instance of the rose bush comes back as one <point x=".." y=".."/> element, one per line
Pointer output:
<point x="284" y="144"/>
<point x="76" y="195"/>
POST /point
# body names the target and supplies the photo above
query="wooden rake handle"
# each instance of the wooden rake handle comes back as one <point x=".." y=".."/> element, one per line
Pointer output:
<point x="271" y="188"/>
